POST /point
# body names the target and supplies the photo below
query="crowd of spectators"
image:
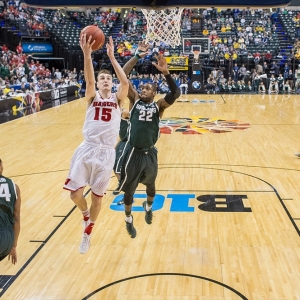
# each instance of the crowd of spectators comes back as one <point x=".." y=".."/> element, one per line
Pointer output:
<point x="240" y="81"/>
<point x="138" y="80"/>
<point x="265" y="77"/>
<point x="21" y="73"/>
<point x="19" y="11"/>
<point x="106" y="18"/>
<point x="239" y="33"/>
<point x="254" y="83"/>
<point x="231" y="33"/>
<point x="134" y="29"/>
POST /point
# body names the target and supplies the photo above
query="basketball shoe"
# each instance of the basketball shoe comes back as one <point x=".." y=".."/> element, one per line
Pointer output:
<point x="149" y="214"/>
<point x="117" y="189"/>
<point x="85" y="243"/>
<point x="121" y="202"/>
<point x="130" y="229"/>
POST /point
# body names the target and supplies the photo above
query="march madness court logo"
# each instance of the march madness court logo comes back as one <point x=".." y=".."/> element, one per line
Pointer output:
<point x="200" y="125"/>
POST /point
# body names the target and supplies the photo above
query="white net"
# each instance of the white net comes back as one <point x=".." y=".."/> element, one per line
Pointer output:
<point x="164" y="26"/>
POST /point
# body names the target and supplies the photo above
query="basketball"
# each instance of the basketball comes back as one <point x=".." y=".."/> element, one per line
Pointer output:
<point x="97" y="36"/>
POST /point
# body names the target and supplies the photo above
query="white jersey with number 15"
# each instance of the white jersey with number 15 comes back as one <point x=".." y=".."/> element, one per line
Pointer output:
<point x="102" y="121"/>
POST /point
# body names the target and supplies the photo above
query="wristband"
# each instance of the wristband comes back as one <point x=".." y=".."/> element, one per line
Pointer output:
<point x="137" y="53"/>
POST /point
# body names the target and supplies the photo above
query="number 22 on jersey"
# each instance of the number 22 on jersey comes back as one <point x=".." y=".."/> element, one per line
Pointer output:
<point x="145" y="115"/>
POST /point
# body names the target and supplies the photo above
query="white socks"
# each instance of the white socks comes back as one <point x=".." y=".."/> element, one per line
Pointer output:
<point x="86" y="213"/>
<point x="128" y="219"/>
<point x="148" y="208"/>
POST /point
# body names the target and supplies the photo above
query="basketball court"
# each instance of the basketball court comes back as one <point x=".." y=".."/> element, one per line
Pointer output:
<point x="226" y="213"/>
<point x="227" y="210"/>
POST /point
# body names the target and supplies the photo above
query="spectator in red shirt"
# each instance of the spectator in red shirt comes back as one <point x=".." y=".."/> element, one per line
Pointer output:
<point x="256" y="54"/>
<point x="4" y="48"/>
<point x="47" y="73"/>
<point x="256" y="58"/>
<point x="14" y="59"/>
<point x="268" y="56"/>
<point x="19" y="48"/>
<point x="40" y="28"/>
<point x="22" y="58"/>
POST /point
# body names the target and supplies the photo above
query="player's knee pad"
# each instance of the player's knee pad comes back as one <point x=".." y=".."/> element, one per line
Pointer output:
<point x="150" y="190"/>
<point x="128" y="199"/>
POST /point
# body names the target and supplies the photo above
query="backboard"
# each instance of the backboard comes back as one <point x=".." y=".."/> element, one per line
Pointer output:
<point x="160" y="3"/>
<point x="190" y="44"/>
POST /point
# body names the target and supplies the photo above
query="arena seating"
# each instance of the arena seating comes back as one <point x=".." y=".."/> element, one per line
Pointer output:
<point x="63" y="29"/>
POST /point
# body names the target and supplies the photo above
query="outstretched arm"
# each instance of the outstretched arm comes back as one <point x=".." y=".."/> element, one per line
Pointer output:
<point x="123" y="86"/>
<point x="174" y="93"/>
<point x="89" y="76"/>
<point x="141" y="52"/>
<point x="13" y="253"/>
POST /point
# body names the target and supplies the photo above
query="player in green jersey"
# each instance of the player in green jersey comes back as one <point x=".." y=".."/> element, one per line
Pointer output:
<point x="10" y="204"/>
<point x="140" y="162"/>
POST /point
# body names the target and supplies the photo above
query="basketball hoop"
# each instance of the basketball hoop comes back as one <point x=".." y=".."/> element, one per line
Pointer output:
<point x="164" y="26"/>
<point x="196" y="56"/>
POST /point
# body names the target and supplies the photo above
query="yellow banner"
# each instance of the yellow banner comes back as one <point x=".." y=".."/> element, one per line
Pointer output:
<point x="178" y="63"/>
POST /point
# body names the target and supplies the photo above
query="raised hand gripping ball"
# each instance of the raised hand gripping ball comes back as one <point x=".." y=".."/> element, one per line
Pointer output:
<point x="97" y="36"/>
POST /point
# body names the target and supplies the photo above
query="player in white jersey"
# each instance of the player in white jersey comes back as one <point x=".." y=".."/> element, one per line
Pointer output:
<point x="93" y="160"/>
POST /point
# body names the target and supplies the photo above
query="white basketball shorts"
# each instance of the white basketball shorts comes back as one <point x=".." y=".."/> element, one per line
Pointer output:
<point x="91" y="166"/>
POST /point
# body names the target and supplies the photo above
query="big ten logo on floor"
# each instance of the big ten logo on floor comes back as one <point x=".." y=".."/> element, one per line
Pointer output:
<point x="200" y="125"/>
<point x="183" y="203"/>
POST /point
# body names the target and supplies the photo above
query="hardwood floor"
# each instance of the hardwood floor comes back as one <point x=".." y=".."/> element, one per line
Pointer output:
<point x="227" y="211"/>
